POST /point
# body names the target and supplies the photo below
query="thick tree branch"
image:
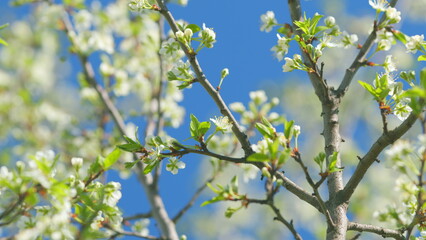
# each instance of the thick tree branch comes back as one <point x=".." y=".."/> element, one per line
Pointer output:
<point x="167" y="227"/>
<point x="383" y="141"/>
<point x="320" y="87"/>
<point x="360" y="58"/>
<point x="214" y="94"/>
<point x="384" y="232"/>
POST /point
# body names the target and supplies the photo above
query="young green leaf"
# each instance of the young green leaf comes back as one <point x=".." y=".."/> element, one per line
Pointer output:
<point x="112" y="158"/>
<point x="288" y="129"/>
<point x="264" y="130"/>
<point x="195" y="28"/>
<point x="230" y="211"/>
<point x="258" y="157"/>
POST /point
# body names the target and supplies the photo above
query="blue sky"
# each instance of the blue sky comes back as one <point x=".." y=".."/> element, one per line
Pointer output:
<point x="243" y="49"/>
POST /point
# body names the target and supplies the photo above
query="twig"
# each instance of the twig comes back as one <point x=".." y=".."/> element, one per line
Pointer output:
<point x="197" y="193"/>
<point x="236" y="129"/>
<point x="279" y="217"/>
<point x="131" y="234"/>
<point x="297" y="157"/>
<point x="384" y="232"/>
<point x="137" y="216"/>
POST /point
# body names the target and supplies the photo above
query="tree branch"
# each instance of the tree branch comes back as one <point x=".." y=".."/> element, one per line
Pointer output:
<point x="279" y="217"/>
<point x="236" y="129"/>
<point x="384" y="232"/>
<point x="287" y="183"/>
<point x="383" y="141"/>
<point x="160" y="214"/>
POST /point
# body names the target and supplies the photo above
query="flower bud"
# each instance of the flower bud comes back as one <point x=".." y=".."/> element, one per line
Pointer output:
<point x="265" y="172"/>
<point x="330" y="21"/>
<point x="77" y="162"/>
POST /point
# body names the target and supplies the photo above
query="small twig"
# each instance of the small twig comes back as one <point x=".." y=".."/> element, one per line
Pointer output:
<point x="130" y="234"/>
<point x="383" y="113"/>
<point x="194" y="197"/>
<point x="137" y="216"/>
<point x="297" y="157"/>
<point x="278" y="216"/>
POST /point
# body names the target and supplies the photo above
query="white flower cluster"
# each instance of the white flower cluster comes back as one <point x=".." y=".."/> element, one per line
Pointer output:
<point x="207" y="36"/>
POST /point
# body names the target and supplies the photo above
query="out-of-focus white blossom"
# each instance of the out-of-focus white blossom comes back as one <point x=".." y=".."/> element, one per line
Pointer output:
<point x="268" y="21"/>
<point x="281" y="49"/>
<point x="174" y="165"/>
<point x="393" y="15"/>
<point x="258" y="97"/>
<point x="415" y="43"/>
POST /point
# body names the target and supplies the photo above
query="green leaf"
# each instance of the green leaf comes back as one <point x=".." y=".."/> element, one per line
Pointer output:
<point x="2" y="41"/>
<point x="203" y="128"/>
<point x="129" y="165"/>
<point x="112" y="158"/>
<point x="333" y="161"/>
<point x="194" y="27"/>
<point x="130" y="147"/>
<point x="319" y="159"/>
<point x="258" y="157"/>
<point x="421" y="58"/>
<point x="415" y="92"/>
<point x="234" y="184"/>
<point x="129" y="140"/>
<point x="150" y="166"/>
<point x="288" y="129"/>
<point x="230" y="211"/>
<point x="4" y="26"/>
<point x="193" y="126"/>
<point x="423" y="78"/>
<point x="266" y="122"/>
<point x="213" y="200"/>
<point x="96" y="166"/>
<point x="284" y="156"/>
<point x="409" y="76"/>
<point x="264" y="130"/>
<point x="400" y="36"/>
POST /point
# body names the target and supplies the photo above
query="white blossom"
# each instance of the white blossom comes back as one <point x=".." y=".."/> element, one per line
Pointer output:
<point x="379" y="5"/>
<point x="393" y="15"/>
<point x="289" y="65"/>
<point x="208" y="36"/>
<point x="281" y="49"/>
<point x="237" y="107"/>
<point x="349" y="40"/>
<point x="77" y="162"/>
<point x="384" y="45"/>
<point x="222" y="123"/>
<point x="389" y="65"/>
<point x="268" y="21"/>
<point x="174" y="165"/>
<point x="258" y="97"/>
<point x="414" y="43"/>
<point x="330" y="21"/>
